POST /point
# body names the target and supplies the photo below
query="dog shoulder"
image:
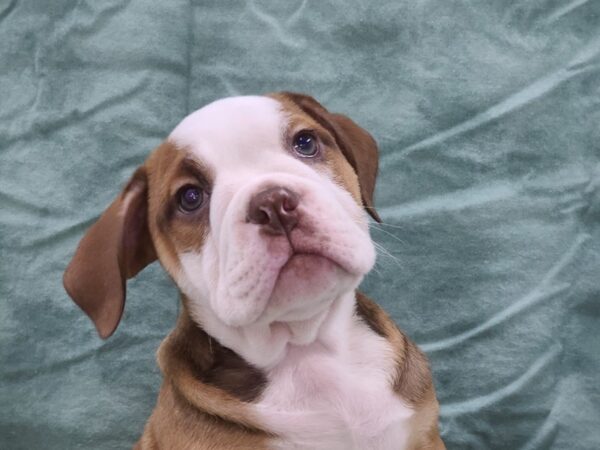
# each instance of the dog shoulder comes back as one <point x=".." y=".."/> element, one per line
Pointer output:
<point x="178" y="424"/>
<point x="412" y="378"/>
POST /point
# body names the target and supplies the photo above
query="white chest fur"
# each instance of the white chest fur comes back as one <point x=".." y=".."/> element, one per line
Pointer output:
<point x="336" y="394"/>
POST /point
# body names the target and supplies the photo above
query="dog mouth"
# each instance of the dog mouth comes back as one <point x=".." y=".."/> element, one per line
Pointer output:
<point x="306" y="253"/>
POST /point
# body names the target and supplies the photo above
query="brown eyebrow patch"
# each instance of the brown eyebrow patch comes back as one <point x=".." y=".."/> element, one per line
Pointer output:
<point x="183" y="169"/>
<point x="188" y="171"/>
<point x="298" y="120"/>
<point x="301" y="122"/>
<point x="194" y="168"/>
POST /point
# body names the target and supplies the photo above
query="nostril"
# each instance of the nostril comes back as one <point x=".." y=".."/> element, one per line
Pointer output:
<point x="262" y="217"/>
<point x="290" y="201"/>
<point x="259" y="215"/>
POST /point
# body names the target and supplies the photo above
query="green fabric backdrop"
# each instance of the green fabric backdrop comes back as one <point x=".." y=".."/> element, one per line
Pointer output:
<point x="488" y="119"/>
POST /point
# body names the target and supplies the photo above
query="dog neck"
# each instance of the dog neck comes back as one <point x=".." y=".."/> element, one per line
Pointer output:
<point x="265" y="344"/>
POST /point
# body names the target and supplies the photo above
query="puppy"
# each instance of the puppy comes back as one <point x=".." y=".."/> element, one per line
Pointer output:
<point x="256" y="207"/>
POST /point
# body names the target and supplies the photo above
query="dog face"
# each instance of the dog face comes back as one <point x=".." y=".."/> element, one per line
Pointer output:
<point x="254" y="205"/>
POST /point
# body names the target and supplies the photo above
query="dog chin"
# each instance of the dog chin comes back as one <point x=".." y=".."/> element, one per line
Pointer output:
<point x="306" y="285"/>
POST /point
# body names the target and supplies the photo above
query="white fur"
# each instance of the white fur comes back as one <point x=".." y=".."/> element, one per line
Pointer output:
<point x="335" y="393"/>
<point x="329" y="375"/>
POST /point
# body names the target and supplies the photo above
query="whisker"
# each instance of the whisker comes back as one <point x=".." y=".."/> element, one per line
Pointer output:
<point x="376" y="270"/>
<point x="385" y="252"/>
<point x="393" y="236"/>
<point x="389" y="225"/>
<point x="381" y="250"/>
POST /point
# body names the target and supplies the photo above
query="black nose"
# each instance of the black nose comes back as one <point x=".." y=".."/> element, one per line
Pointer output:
<point x="275" y="210"/>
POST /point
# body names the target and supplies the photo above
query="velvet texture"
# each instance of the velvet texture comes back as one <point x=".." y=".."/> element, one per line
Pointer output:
<point x="488" y="119"/>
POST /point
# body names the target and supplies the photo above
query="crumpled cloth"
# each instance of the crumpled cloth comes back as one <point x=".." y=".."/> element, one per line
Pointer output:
<point x="488" y="120"/>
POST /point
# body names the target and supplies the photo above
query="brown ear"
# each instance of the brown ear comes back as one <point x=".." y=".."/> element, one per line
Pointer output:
<point x="357" y="145"/>
<point x="114" y="249"/>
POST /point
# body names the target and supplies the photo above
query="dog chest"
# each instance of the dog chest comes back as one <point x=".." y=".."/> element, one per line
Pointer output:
<point x="318" y="399"/>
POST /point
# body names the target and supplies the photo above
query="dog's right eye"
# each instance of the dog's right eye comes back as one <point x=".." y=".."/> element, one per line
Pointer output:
<point x="190" y="198"/>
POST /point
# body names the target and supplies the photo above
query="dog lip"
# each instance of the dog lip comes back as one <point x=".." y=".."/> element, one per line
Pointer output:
<point x="295" y="253"/>
<point x="302" y="244"/>
<point x="316" y="254"/>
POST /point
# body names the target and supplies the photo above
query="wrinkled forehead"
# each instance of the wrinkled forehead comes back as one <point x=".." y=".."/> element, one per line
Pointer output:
<point x="237" y="131"/>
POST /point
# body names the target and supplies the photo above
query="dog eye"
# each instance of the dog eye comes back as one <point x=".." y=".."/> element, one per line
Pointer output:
<point x="305" y="144"/>
<point x="190" y="198"/>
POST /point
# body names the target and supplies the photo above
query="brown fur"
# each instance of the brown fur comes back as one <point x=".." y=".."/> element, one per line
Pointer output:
<point x="212" y="363"/>
<point x="113" y="250"/>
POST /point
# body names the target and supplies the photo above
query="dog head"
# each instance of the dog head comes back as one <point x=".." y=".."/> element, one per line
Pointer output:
<point x="255" y="206"/>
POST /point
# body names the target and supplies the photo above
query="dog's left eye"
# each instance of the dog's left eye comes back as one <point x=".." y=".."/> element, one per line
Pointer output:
<point x="190" y="198"/>
<point x="305" y="144"/>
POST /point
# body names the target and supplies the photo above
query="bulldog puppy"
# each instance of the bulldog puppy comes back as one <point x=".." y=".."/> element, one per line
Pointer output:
<point x="256" y="207"/>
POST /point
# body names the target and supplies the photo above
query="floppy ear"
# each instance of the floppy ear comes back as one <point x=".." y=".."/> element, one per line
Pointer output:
<point x="113" y="250"/>
<point x="357" y="145"/>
